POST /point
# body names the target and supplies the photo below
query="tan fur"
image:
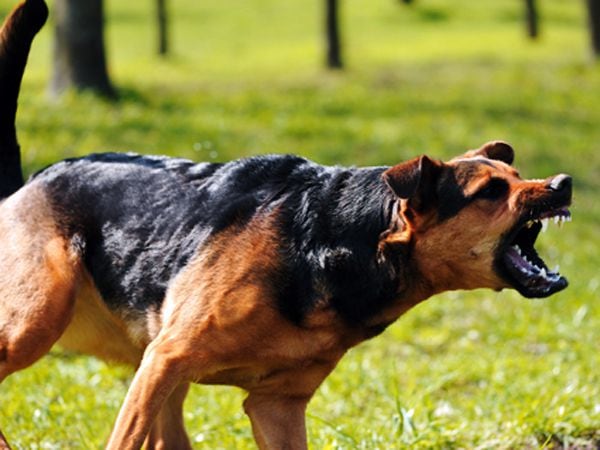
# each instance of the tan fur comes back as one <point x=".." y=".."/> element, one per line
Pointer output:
<point x="39" y="274"/>
<point x="168" y="430"/>
<point x="277" y="421"/>
<point x="95" y="330"/>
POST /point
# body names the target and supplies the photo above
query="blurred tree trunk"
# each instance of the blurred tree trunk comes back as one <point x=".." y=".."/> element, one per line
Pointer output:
<point x="532" y="18"/>
<point x="334" y="53"/>
<point x="163" y="27"/>
<point x="79" y="57"/>
<point x="594" y="18"/>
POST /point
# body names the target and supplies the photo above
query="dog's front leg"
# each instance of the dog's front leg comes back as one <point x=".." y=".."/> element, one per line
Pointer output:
<point x="168" y="431"/>
<point x="156" y="379"/>
<point x="278" y="422"/>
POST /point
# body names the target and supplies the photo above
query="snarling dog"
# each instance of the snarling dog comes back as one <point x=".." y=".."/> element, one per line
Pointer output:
<point x="259" y="273"/>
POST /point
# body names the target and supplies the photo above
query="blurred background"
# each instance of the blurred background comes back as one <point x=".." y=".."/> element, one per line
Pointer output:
<point x="353" y="82"/>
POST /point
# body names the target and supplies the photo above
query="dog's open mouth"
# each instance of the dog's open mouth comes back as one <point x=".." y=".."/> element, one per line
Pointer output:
<point x="520" y="262"/>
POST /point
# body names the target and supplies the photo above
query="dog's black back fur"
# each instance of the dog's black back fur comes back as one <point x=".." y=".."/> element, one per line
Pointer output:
<point x="141" y="219"/>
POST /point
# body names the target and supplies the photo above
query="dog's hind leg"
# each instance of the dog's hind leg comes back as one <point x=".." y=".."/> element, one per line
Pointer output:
<point x="168" y="430"/>
<point x="39" y="273"/>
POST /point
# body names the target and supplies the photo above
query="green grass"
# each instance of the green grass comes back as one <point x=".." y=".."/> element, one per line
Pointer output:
<point x="464" y="370"/>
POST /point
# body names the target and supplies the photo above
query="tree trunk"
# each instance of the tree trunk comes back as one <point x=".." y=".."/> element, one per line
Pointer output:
<point x="163" y="30"/>
<point x="531" y="15"/>
<point x="594" y="18"/>
<point x="79" y="57"/>
<point x="334" y="57"/>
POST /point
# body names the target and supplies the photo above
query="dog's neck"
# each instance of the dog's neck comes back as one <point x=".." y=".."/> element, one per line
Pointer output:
<point x="367" y="285"/>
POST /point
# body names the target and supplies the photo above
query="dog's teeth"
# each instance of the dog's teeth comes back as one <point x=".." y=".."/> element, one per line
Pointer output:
<point x="545" y="224"/>
<point x="543" y="272"/>
<point x="556" y="219"/>
<point x="556" y="269"/>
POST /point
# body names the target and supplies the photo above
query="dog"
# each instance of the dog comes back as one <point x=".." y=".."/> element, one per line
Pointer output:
<point x="259" y="273"/>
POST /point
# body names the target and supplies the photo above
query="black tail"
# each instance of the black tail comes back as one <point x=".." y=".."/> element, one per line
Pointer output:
<point x="15" y="41"/>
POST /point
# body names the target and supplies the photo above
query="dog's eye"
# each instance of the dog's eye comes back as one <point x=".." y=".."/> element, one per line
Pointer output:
<point x="495" y="189"/>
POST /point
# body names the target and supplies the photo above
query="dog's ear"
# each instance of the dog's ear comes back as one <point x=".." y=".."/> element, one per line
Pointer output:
<point x="414" y="180"/>
<point x="498" y="150"/>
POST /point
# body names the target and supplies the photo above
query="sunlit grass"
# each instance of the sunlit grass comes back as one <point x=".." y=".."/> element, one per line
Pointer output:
<point x="464" y="370"/>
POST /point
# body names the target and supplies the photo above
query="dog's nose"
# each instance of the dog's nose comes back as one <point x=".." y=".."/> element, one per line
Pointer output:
<point x="560" y="183"/>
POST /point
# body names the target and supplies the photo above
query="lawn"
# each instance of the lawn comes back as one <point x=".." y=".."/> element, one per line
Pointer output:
<point x="470" y="370"/>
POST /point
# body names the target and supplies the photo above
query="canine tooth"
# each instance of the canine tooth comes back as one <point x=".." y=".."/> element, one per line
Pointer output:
<point x="556" y="269"/>
<point x="556" y="219"/>
<point x="545" y="224"/>
<point x="543" y="272"/>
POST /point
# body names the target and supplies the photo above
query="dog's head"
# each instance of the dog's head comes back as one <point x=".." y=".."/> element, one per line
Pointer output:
<point x="472" y="222"/>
